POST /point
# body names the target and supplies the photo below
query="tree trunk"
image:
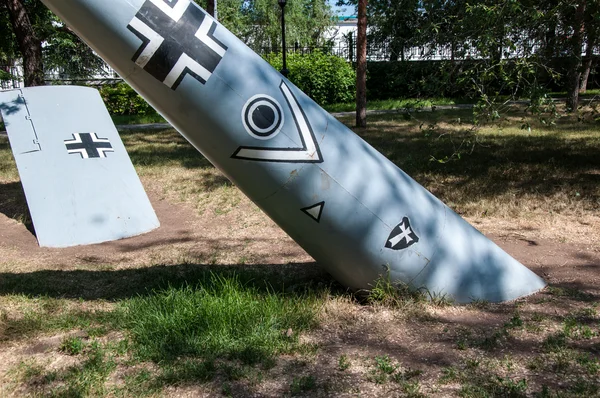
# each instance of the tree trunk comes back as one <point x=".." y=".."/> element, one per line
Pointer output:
<point x="361" y="65"/>
<point x="29" y="44"/>
<point x="575" y="61"/>
<point x="210" y="7"/>
<point x="395" y="50"/>
<point x="499" y="47"/>
<point x="550" y="45"/>
<point x="587" y="64"/>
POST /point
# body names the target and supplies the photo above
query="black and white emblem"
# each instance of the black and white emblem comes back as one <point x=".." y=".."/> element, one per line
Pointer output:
<point x="177" y="40"/>
<point x="88" y="145"/>
<point x="315" y="211"/>
<point x="262" y="117"/>
<point x="402" y="236"/>
<point x="309" y="152"/>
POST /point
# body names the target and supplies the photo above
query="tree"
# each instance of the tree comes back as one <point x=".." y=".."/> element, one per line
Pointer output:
<point x="28" y="24"/>
<point x="395" y="23"/>
<point x="257" y="22"/>
<point x="574" y="44"/>
<point x="361" y="65"/>
<point x="210" y="7"/>
<point x="592" y="31"/>
<point x="30" y="46"/>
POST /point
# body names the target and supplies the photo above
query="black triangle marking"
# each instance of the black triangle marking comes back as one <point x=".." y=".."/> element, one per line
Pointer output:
<point x="315" y="211"/>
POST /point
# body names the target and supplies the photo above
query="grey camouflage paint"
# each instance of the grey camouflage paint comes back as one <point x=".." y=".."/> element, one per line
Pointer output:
<point x="335" y="195"/>
<point x="80" y="185"/>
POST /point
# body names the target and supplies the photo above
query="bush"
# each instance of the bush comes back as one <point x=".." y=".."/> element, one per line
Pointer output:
<point x="426" y="79"/>
<point x="121" y="99"/>
<point x="325" y="78"/>
<point x="418" y="79"/>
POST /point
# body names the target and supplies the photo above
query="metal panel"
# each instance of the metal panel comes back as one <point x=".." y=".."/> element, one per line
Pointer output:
<point x="80" y="185"/>
<point x="353" y="210"/>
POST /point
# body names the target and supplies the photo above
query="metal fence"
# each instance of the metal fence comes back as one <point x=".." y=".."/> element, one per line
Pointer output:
<point x="345" y="47"/>
<point x="11" y="77"/>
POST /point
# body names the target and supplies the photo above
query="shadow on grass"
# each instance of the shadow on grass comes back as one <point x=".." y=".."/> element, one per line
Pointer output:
<point x="14" y="205"/>
<point x="486" y="166"/>
<point x="162" y="148"/>
<point x="114" y="285"/>
<point x="481" y="166"/>
<point x="496" y="332"/>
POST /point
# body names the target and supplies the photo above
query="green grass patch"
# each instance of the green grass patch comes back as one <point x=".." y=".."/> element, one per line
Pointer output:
<point x="72" y="345"/>
<point x="222" y="318"/>
<point x="137" y="119"/>
<point x="302" y="385"/>
<point x="226" y="326"/>
<point x="391" y="104"/>
<point x="343" y="362"/>
<point x="587" y="94"/>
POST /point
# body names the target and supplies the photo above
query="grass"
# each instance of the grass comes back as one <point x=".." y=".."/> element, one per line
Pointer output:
<point x="497" y="169"/>
<point x="23" y="317"/>
<point x="379" y="105"/>
<point x="88" y="378"/>
<point x="72" y="345"/>
<point x="222" y="318"/>
<point x="182" y="322"/>
<point x="302" y="384"/>
<point x="137" y="119"/>
<point x="343" y="362"/>
<point x="226" y="326"/>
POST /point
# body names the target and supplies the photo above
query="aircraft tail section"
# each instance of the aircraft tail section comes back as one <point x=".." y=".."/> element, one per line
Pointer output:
<point x="80" y="184"/>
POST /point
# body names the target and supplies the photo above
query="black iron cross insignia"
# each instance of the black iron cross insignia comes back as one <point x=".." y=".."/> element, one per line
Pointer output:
<point x="177" y="40"/>
<point x="88" y="145"/>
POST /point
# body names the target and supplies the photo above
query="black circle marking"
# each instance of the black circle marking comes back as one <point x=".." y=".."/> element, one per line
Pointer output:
<point x="262" y="117"/>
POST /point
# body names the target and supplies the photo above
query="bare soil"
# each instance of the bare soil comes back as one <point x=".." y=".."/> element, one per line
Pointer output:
<point x="427" y="340"/>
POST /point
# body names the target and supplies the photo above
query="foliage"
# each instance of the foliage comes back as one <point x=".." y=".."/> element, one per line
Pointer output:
<point x="63" y="52"/>
<point x="121" y="99"/>
<point x="325" y="78"/>
<point x="257" y="22"/>
<point x="343" y="362"/>
<point x="395" y="22"/>
<point x="72" y="345"/>
<point x="302" y="384"/>
<point x="517" y="44"/>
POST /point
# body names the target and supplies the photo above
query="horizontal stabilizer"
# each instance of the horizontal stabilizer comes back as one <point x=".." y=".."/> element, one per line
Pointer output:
<point x="80" y="184"/>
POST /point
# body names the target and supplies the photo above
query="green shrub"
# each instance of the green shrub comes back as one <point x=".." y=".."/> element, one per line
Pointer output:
<point x="5" y="75"/>
<point x="325" y="78"/>
<point x="120" y="99"/>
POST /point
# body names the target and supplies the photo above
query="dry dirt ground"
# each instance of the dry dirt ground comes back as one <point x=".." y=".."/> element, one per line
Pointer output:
<point x="545" y="345"/>
<point x="432" y="350"/>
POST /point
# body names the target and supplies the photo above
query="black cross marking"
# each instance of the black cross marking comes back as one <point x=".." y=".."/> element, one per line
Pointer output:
<point x="179" y="38"/>
<point x="88" y="145"/>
